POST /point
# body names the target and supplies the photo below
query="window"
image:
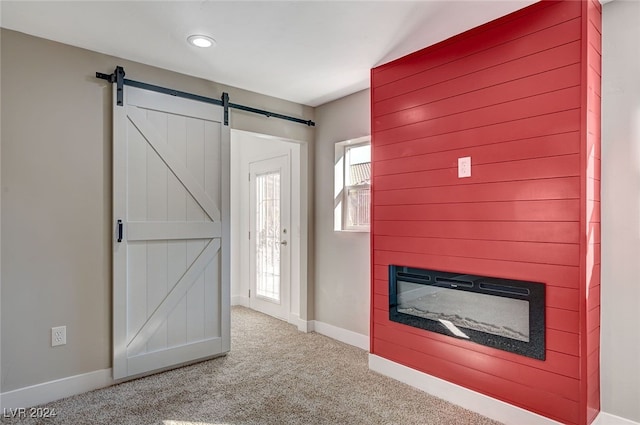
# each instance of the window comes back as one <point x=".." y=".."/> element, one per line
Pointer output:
<point x="352" y="190"/>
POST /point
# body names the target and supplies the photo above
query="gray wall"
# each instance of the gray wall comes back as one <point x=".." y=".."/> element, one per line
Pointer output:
<point x="56" y="199"/>
<point x="0" y="203"/>
<point x="620" y="335"/>
<point x="342" y="285"/>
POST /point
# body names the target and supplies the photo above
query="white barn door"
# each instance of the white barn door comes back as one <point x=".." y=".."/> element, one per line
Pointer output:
<point x="171" y="235"/>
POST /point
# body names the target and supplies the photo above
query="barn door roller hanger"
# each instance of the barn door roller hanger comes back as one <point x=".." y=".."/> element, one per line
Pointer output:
<point x="118" y="78"/>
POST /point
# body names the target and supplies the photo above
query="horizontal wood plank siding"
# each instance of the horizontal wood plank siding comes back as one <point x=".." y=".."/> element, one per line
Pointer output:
<point x="534" y="106"/>
<point x="539" y="401"/>
<point x="521" y="190"/>
<point x="523" y="231"/>
<point x="553" y="210"/>
<point x="538" y="84"/>
<point x="537" y="147"/>
<point x="592" y="38"/>
<point x="557" y="361"/>
<point x="564" y="276"/>
<point x="537" y="126"/>
<point x="491" y="45"/>
<point x="520" y="96"/>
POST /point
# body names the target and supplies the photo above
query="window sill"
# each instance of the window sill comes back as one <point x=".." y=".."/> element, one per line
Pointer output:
<point x="352" y="231"/>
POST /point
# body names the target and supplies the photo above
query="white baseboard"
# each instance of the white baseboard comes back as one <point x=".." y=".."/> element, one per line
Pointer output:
<point x="305" y="326"/>
<point x="55" y="390"/>
<point x="240" y="300"/>
<point x="470" y="400"/>
<point x="342" y="335"/>
<point x="609" y="419"/>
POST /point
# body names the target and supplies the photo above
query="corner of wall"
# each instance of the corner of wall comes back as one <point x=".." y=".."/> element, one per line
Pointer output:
<point x="341" y="260"/>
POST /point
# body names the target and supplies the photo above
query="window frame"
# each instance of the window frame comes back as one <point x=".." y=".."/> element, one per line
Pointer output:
<point x="341" y="150"/>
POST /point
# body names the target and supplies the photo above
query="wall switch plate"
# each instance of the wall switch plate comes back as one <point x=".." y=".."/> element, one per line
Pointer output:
<point x="58" y="336"/>
<point x="464" y="167"/>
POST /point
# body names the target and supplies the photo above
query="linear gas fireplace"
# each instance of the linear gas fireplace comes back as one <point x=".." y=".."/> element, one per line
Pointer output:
<point x="500" y="313"/>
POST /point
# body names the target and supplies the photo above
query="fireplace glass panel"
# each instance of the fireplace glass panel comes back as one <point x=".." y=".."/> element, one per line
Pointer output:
<point x="506" y="317"/>
<point x="506" y="314"/>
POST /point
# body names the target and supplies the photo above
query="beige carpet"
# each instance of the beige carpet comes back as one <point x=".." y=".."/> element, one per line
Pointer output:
<point x="273" y="375"/>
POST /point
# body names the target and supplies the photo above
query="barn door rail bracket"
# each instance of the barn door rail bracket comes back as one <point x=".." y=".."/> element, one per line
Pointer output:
<point x="118" y="78"/>
<point x="225" y="105"/>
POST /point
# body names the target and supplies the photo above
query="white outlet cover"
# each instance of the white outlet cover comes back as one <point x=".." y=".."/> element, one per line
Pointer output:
<point x="58" y="336"/>
<point x="464" y="167"/>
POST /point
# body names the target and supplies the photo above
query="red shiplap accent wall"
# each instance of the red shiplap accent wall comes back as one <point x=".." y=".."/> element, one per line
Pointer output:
<point x="591" y="77"/>
<point x="521" y="96"/>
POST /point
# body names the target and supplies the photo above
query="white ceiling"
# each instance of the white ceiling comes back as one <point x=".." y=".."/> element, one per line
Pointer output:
<point x="309" y="52"/>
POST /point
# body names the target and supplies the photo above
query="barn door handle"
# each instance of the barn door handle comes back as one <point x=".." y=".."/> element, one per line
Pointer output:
<point x="120" y="230"/>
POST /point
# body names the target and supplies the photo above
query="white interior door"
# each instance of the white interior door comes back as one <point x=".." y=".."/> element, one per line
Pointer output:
<point x="270" y="236"/>
<point x="171" y="265"/>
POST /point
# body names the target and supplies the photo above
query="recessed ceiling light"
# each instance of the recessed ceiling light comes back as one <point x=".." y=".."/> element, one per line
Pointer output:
<point x="201" y="40"/>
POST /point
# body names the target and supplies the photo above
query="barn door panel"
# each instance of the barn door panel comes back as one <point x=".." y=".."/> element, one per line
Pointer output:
<point x="171" y="284"/>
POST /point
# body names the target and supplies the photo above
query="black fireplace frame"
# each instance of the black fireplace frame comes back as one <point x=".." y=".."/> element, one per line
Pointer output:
<point x="533" y="292"/>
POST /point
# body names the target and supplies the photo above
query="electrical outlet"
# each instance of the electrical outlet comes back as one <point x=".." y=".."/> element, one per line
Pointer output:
<point x="464" y="167"/>
<point x="58" y="336"/>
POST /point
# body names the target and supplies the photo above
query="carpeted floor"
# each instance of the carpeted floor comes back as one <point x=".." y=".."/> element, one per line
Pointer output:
<point x="273" y="375"/>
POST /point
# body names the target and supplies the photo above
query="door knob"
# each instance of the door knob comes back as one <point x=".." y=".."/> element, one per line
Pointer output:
<point x="283" y="243"/>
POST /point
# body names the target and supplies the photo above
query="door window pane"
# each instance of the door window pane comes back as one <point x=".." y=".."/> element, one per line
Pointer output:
<point x="268" y="235"/>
